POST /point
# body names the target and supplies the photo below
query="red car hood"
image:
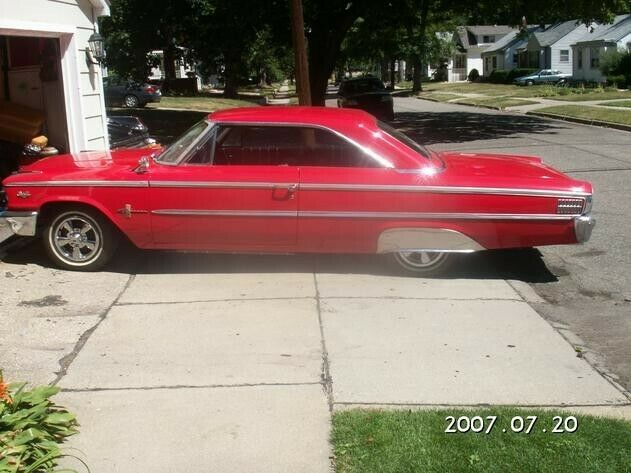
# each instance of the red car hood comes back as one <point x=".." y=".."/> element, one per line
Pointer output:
<point x="87" y="165"/>
<point x="501" y="170"/>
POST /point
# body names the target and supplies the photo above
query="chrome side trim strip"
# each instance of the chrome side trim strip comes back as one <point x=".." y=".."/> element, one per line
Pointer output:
<point x="362" y="215"/>
<point x="224" y="185"/>
<point x="226" y="213"/>
<point x="78" y="184"/>
<point x="426" y="239"/>
<point x="435" y="216"/>
<point x="442" y="190"/>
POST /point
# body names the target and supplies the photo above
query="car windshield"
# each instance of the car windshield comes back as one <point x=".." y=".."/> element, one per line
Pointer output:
<point x="362" y="86"/>
<point x="172" y="153"/>
<point x="406" y="140"/>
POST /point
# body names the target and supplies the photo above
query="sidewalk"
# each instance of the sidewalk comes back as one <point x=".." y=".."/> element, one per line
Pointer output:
<point x="240" y="371"/>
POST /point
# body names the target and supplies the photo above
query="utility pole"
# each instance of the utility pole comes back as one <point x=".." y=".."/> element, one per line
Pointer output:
<point x="300" y="53"/>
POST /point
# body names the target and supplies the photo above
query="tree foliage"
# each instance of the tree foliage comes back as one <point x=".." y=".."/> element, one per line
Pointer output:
<point x="245" y="38"/>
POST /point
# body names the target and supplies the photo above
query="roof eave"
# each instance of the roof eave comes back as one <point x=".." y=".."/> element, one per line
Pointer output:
<point x="101" y="7"/>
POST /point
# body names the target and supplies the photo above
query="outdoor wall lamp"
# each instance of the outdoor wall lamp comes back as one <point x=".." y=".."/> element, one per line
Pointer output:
<point x="95" y="52"/>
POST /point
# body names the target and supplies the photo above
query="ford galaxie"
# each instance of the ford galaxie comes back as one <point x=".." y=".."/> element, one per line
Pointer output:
<point x="289" y="180"/>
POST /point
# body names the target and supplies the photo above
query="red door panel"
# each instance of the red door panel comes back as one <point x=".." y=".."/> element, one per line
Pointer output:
<point x="224" y="208"/>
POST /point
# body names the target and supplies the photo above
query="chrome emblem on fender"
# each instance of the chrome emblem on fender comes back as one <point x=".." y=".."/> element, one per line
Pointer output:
<point x="23" y="194"/>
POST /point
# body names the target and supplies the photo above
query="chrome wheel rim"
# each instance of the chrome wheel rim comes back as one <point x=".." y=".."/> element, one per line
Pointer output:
<point x="130" y="101"/>
<point x="76" y="239"/>
<point x="422" y="259"/>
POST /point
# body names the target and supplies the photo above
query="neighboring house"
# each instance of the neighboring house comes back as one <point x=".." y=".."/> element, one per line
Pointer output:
<point x="504" y="54"/>
<point x="590" y="47"/>
<point x="470" y="42"/>
<point x="551" y="48"/>
<point x="43" y="65"/>
<point x="182" y="66"/>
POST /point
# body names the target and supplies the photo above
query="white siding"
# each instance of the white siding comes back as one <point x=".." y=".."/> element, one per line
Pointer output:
<point x="565" y="44"/>
<point x="73" y="21"/>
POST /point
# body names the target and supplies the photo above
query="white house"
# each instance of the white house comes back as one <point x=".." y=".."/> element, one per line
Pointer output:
<point x="593" y="44"/>
<point x="44" y="65"/>
<point x="550" y="48"/>
<point x="504" y="54"/>
<point x="470" y="42"/>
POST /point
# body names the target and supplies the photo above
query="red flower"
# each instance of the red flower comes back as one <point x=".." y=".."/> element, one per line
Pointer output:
<point x="4" y="391"/>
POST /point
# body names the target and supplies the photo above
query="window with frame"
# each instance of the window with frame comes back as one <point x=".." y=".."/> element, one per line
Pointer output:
<point x="460" y="61"/>
<point x="564" y="55"/>
<point x="488" y="39"/>
<point x="515" y="58"/>
<point x="494" y="62"/>
<point x="579" y="58"/>
<point x="594" y="57"/>
<point x="269" y="145"/>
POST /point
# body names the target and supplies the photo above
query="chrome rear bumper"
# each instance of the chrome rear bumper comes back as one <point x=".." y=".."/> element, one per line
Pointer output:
<point x="583" y="227"/>
<point x="17" y="223"/>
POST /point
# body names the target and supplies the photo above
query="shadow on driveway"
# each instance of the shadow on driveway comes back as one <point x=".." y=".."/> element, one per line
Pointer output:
<point x="462" y="126"/>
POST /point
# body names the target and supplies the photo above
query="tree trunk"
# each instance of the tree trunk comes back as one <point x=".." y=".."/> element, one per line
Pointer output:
<point x="393" y="78"/>
<point x="231" y="79"/>
<point x="417" y="85"/>
<point x="169" y="62"/>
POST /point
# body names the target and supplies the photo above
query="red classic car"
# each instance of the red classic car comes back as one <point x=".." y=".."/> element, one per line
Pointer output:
<point x="294" y="179"/>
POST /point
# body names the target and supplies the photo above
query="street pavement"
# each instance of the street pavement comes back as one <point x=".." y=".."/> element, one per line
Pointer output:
<point x="178" y="362"/>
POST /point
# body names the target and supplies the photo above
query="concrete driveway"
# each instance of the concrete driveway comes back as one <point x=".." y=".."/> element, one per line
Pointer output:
<point x="179" y="362"/>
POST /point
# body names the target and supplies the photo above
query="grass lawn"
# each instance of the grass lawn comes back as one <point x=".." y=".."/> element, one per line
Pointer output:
<point x="590" y="113"/>
<point x="202" y="103"/>
<point x="623" y="103"/>
<point x="498" y="103"/>
<point x="415" y="441"/>
<point x="605" y="95"/>
<point x="438" y="96"/>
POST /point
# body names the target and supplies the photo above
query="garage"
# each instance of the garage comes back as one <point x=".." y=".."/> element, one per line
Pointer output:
<point x="51" y="92"/>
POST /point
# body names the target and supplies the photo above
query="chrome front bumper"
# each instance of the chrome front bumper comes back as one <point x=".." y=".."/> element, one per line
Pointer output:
<point x="583" y="227"/>
<point x="17" y="223"/>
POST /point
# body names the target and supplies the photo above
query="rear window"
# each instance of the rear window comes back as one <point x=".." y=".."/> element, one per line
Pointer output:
<point x="406" y="140"/>
<point x="362" y="86"/>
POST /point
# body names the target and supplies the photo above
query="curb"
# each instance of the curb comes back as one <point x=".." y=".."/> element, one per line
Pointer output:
<point x="582" y="121"/>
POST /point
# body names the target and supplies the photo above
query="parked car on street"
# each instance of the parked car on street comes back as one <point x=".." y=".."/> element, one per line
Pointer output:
<point x="297" y="180"/>
<point x="127" y="93"/>
<point x="544" y="76"/>
<point x="368" y="94"/>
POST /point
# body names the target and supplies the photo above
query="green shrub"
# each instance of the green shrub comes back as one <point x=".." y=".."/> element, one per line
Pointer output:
<point x="519" y="72"/>
<point x="617" y="80"/>
<point x="31" y="428"/>
<point x="498" y="77"/>
<point x="474" y="75"/>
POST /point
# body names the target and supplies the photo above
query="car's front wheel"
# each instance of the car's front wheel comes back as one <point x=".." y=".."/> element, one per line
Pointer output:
<point x="423" y="263"/>
<point x="529" y="82"/>
<point x="79" y="239"/>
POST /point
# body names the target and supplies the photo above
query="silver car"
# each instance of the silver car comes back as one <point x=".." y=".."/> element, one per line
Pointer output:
<point x="544" y="76"/>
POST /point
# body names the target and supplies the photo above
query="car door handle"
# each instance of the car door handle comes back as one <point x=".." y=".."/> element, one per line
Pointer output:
<point x="288" y="194"/>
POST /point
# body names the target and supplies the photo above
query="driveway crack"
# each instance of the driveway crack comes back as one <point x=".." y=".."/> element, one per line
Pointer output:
<point x="325" y="376"/>
<point x="66" y="361"/>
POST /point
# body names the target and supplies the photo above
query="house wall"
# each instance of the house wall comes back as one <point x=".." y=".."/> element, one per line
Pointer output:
<point x="565" y="43"/>
<point x="588" y="73"/>
<point x="72" y="21"/>
<point x="474" y="61"/>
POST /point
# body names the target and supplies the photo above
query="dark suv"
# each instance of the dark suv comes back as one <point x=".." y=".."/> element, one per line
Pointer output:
<point x="366" y="93"/>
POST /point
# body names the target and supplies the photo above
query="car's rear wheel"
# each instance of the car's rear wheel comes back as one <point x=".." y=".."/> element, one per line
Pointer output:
<point x="131" y="101"/>
<point x="79" y="239"/>
<point x="423" y="263"/>
<point x="529" y="82"/>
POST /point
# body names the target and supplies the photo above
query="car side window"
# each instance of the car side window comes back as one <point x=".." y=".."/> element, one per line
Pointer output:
<point x="285" y="146"/>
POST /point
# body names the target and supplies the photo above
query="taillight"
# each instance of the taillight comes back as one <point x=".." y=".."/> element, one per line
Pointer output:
<point x="570" y="206"/>
<point x="150" y="89"/>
